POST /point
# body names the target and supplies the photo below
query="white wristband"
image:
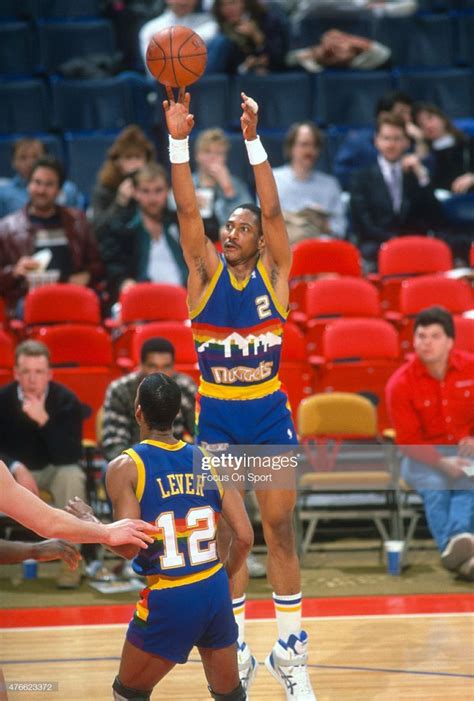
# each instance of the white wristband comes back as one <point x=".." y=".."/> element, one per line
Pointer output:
<point x="256" y="152"/>
<point x="179" y="150"/>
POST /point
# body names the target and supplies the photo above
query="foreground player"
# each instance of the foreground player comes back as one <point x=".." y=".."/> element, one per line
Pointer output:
<point x="238" y="306"/>
<point x="187" y="600"/>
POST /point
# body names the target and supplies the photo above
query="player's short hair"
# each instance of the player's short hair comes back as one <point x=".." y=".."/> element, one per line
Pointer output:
<point x="160" y="399"/>
<point x="32" y="349"/>
<point x="53" y="164"/>
<point x="255" y="210"/>
<point x="156" y="345"/>
<point x="151" y="171"/>
<point x="208" y="137"/>
<point x="292" y="135"/>
<point x="391" y="120"/>
<point x="436" y="315"/>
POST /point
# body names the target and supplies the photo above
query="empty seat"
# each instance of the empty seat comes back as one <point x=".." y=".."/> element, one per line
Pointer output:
<point x="61" y="41"/>
<point x="16" y="49"/>
<point x="348" y="97"/>
<point x="92" y="104"/>
<point x="85" y="155"/>
<point x="24" y="106"/>
<point x="423" y="40"/>
<point x="284" y="98"/>
<point x="61" y="303"/>
<point x="209" y="101"/>
<point x="451" y="89"/>
<point x="11" y="9"/>
<point x="68" y="8"/>
<point x="146" y="99"/>
<point x="464" y="339"/>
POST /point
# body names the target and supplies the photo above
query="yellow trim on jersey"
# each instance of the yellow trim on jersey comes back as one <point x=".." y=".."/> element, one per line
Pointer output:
<point x="159" y="581"/>
<point x="141" y="472"/>
<point x="210" y="289"/>
<point x="209" y="389"/>
<point x="166" y="446"/>
<point x="266" y="281"/>
<point x="238" y="284"/>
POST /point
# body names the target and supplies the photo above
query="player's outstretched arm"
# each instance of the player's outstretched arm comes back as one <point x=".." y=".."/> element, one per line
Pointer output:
<point x="199" y="253"/>
<point x="277" y="246"/>
<point x="26" y="508"/>
<point x="234" y="513"/>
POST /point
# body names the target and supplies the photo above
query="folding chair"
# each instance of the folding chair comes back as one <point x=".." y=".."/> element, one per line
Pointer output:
<point x="351" y="468"/>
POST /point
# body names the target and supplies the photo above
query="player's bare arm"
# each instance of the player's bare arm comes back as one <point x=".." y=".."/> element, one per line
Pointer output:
<point x="199" y="253"/>
<point x="235" y="515"/>
<point x="121" y="482"/>
<point x="276" y="255"/>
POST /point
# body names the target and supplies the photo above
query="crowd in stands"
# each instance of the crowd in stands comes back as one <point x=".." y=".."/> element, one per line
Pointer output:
<point x="402" y="175"/>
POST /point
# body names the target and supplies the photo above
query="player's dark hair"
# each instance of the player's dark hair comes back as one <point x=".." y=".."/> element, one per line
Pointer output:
<point x="436" y="315"/>
<point x="252" y="208"/>
<point x="53" y="164"/>
<point x="156" y="345"/>
<point x="388" y="101"/>
<point x="32" y="349"/>
<point x="160" y="399"/>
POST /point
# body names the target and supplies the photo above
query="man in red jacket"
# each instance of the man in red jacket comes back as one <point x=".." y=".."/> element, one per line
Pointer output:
<point x="44" y="225"/>
<point x="431" y="402"/>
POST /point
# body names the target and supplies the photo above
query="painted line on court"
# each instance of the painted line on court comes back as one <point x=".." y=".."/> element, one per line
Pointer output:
<point x="349" y="668"/>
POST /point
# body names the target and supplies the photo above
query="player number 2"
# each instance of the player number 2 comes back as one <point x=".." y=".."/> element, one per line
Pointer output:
<point x="198" y="555"/>
<point x="263" y="306"/>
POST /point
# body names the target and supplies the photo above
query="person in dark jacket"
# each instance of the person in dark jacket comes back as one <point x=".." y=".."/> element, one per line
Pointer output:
<point x="60" y="232"/>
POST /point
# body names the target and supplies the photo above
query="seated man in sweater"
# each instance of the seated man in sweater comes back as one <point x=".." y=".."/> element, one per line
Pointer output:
<point x="41" y="433"/>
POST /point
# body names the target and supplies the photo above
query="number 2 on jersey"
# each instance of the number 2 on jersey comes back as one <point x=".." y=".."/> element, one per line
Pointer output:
<point x="172" y="558"/>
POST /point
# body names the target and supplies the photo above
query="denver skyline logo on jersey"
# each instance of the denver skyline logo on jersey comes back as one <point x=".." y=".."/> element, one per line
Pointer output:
<point x="244" y="343"/>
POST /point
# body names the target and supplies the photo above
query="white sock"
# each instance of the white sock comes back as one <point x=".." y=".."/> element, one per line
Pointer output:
<point x="238" y="606"/>
<point x="288" y="614"/>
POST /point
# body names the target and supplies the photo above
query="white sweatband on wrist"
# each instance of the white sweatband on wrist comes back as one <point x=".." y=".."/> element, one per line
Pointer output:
<point x="256" y="152"/>
<point x="179" y="150"/>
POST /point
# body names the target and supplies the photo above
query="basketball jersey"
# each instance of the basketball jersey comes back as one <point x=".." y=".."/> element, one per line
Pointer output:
<point x="174" y="495"/>
<point x="238" y="331"/>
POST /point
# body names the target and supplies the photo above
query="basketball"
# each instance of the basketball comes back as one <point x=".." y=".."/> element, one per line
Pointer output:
<point x="176" y="56"/>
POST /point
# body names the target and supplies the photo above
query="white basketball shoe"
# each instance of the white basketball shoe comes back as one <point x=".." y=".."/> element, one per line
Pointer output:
<point x="248" y="666"/>
<point x="287" y="663"/>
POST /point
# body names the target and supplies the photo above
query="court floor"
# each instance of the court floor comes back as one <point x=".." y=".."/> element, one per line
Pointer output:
<point x="381" y="657"/>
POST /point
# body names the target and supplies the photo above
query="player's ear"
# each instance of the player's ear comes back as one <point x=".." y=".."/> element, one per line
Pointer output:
<point x="138" y="413"/>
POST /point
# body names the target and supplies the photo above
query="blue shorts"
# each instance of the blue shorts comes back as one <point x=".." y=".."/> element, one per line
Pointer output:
<point x="181" y="617"/>
<point x="265" y="421"/>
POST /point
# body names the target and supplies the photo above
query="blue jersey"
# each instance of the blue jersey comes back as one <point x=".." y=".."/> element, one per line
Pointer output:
<point x="174" y="495"/>
<point x="238" y="331"/>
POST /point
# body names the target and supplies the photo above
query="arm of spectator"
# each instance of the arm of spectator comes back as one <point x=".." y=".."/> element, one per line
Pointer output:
<point x="107" y="210"/>
<point x="463" y="183"/>
<point x="372" y="54"/>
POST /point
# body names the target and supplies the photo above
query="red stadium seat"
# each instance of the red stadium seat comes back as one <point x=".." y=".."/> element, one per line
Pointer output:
<point x="358" y="355"/>
<point x="464" y="339"/>
<point x="425" y="291"/>
<point x="7" y="358"/>
<point x="61" y="303"/>
<point x="408" y="256"/>
<point x="82" y="359"/>
<point x="314" y="258"/>
<point x="331" y="298"/>
<point x="295" y="371"/>
<point x="180" y="336"/>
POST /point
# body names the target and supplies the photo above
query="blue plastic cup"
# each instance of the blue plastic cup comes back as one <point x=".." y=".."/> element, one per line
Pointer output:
<point x="30" y="569"/>
<point x="394" y="550"/>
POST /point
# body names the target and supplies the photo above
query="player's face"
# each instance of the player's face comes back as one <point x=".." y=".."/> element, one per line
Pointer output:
<point x="151" y="196"/>
<point x="431" y="125"/>
<point x="304" y="152"/>
<point x="240" y="236"/>
<point x="131" y="162"/>
<point x="391" y="142"/>
<point x="32" y="373"/>
<point x="158" y="362"/>
<point x="182" y="7"/>
<point x="431" y="344"/>
<point x="43" y="188"/>
<point x="25" y="157"/>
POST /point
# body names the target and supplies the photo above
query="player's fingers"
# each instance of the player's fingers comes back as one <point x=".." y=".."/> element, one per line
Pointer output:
<point x="169" y="92"/>
<point x="166" y="105"/>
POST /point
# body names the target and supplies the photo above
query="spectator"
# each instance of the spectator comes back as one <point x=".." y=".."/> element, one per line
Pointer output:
<point x="112" y="197"/>
<point x="394" y="196"/>
<point x="41" y="432"/>
<point x="184" y="13"/>
<point x="120" y="429"/>
<point x="147" y="248"/>
<point x="452" y="151"/>
<point x="251" y="38"/>
<point x="42" y="225"/>
<point x="217" y="190"/>
<point x="14" y="191"/>
<point x="430" y="399"/>
<point x="338" y="49"/>
<point x="305" y="191"/>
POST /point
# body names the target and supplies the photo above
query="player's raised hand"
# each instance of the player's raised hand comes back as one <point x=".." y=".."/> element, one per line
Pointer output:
<point x="178" y="119"/>
<point x="129" y="531"/>
<point x="249" y="120"/>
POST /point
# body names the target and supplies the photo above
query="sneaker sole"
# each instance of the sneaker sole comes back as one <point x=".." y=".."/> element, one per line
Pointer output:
<point x="460" y="552"/>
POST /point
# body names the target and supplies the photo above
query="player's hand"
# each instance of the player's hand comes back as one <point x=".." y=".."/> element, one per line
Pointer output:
<point x="78" y="508"/>
<point x="35" y="410"/>
<point x="178" y="119"/>
<point x="24" y="477"/>
<point x="56" y="550"/>
<point x="129" y="531"/>
<point x="248" y="120"/>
